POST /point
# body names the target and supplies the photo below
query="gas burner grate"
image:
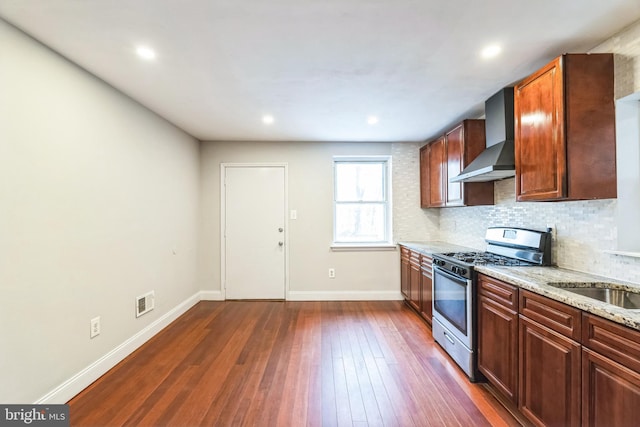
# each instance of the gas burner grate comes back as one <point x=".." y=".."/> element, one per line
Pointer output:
<point x="485" y="258"/>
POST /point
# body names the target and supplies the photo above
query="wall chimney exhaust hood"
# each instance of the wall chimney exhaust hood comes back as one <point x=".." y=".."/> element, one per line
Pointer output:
<point x="497" y="161"/>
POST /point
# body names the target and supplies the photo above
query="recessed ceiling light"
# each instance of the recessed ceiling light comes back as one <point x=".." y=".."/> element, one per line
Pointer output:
<point x="145" y="52"/>
<point x="372" y="120"/>
<point x="491" y="51"/>
<point x="267" y="119"/>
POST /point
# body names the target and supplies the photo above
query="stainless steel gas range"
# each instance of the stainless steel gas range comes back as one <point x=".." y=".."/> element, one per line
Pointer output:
<point x="455" y="287"/>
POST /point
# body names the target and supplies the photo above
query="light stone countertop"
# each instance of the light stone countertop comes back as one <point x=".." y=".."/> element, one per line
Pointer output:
<point x="436" y="247"/>
<point x="537" y="279"/>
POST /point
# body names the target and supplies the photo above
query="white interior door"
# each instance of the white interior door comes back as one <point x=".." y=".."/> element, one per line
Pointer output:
<point x="254" y="216"/>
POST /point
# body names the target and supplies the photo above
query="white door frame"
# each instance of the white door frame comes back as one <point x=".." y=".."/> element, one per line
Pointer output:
<point x="223" y="209"/>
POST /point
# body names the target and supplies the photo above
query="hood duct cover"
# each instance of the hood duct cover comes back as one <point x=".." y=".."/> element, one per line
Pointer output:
<point x="497" y="161"/>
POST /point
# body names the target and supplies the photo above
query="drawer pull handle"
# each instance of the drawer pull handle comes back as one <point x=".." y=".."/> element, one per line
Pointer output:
<point x="449" y="338"/>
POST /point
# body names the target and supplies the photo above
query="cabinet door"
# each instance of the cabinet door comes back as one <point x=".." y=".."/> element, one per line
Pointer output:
<point x="498" y="346"/>
<point x="415" y="281"/>
<point x="611" y="392"/>
<point x="549" y="376"/>
<point x="427" y="291"/>
<point x="540" y="145"/>
<point x="455" y="150"/>
<point x="437" y="163"/>
<point x="404" y="272"/>
<point x="424" y="177"/>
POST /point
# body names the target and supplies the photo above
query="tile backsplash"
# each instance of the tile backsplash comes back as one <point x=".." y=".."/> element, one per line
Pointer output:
<point x="409" y="221"/>
<point x="583" y="230"/>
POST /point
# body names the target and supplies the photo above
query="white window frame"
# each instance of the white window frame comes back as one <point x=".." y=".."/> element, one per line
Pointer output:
<point x="387" y="243"/>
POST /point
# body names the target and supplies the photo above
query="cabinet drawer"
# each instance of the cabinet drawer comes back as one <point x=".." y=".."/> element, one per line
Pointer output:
<point x="426" y="262"/>
<point x="414" y="258"/>
<point x="404" y="252"/>
<point x="559" y="317"/>
<point x="611" y="339"/>
<point x="498" y="291"/>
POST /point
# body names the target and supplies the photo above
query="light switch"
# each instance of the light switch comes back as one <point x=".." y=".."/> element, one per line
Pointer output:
<point x="294" y="214"/>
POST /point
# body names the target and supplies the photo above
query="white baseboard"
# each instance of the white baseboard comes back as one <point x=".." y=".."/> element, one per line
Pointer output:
<point x="211" y="296"/>
<point x="74" y="385"/>
<point x="344" y="296"/>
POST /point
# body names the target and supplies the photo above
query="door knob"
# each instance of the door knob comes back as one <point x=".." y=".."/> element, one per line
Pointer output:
<point x="280" y="243"/>
<point x="281" y="229"/>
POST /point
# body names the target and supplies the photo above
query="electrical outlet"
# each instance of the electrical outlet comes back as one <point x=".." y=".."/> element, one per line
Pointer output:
<point x="332" y="273"/>
<point x="95" y="327"/>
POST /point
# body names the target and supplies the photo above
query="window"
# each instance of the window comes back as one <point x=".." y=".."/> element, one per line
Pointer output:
<point x="362" y="206"/>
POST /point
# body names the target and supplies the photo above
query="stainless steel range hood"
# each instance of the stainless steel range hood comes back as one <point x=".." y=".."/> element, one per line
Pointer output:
<point x="497" y="161"/>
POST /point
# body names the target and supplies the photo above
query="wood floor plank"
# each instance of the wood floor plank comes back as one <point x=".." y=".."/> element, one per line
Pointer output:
<point x="274" y="363"/>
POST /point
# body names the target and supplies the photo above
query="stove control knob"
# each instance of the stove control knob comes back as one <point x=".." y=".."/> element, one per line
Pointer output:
<point x="462" y="271"/>
<point x="438" y="262"/>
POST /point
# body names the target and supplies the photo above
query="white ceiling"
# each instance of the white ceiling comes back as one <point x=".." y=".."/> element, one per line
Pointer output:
<point x="320" y="67"/>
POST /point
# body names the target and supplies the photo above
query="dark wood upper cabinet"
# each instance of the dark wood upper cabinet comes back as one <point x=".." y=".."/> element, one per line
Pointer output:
<point x="445" y="158"/>
<point x="424" y="177"/>
<point x="437" y="175"/>
<point x="565" y="130"/>
<point x="464" y="143"/>
<point x="455" y="160"/>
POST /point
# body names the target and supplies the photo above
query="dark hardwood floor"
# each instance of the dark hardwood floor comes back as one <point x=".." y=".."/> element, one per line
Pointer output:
<point x="268" y="363"/>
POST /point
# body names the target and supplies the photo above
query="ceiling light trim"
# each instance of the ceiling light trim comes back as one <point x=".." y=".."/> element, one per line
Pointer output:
<point x="145" y="52"/>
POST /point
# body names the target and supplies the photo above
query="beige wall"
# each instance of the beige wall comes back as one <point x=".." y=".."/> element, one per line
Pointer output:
<point x="96" y="193"/>
<point x="358" y="274"/>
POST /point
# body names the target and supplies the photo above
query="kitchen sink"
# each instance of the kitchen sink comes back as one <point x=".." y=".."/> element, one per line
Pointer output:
<point x="605" y="292"/>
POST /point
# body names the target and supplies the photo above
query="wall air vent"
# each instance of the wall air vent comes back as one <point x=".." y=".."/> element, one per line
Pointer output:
<point x="144" y="303"/>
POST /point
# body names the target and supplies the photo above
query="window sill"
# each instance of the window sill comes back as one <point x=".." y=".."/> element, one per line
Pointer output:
<point x="355" y="247"/>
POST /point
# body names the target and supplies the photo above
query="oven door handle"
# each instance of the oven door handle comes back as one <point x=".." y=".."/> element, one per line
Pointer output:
<point x="451" y="275"/>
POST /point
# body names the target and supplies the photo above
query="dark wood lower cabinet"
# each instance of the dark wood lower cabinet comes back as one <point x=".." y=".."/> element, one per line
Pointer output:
<point x="415" y="276"/>
<point x="610" y="392"/>
<point x="416" y="282"/>
<point x="550" y="376"/>
<point x="498" y="346"/>
<point x="427" y="290"/>
<point x="404" y="272"/>
<point x="563" y="367"/>
<point x="498" y="335"/>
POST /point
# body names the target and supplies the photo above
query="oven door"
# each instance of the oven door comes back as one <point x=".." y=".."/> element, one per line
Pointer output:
<point x="452" y="304"/>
